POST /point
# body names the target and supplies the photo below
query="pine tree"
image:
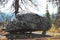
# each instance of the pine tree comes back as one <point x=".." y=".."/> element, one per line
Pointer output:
<point x="47" y="13"/>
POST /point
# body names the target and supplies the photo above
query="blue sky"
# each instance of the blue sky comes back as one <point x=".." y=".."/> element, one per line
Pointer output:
<point x="6" y="16"/>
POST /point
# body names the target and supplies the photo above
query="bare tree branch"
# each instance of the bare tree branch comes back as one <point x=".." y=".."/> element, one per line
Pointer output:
<point x="22" y="1"/>
<point x="32" y="2"/>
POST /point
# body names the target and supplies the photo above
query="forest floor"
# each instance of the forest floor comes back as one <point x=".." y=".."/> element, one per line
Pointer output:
<point x="34" y="36"/>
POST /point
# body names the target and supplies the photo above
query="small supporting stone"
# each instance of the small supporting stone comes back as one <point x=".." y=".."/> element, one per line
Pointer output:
<point x="44" y="33"/>
<point x="30" y="32"/>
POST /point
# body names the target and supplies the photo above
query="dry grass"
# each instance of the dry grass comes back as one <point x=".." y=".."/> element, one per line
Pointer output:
<point x="53" y="30"/>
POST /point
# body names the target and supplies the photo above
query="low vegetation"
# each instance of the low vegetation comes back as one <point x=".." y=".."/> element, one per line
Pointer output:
<point x="53" y="29"/>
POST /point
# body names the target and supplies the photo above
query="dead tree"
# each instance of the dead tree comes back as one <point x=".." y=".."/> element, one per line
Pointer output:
<point x="16" y="6"/>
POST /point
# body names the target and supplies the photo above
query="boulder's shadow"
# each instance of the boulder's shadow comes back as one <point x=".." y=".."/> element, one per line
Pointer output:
<point x="25" y="36"/>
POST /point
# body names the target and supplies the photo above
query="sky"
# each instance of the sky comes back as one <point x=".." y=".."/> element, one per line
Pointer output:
<point x="41" y="6"/>
<point x="39" y="9"/>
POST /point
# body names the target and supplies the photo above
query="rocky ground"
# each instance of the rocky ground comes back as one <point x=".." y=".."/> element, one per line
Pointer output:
<point x="34" y="36"/>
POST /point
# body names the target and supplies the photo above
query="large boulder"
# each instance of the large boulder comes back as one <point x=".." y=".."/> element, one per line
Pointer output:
<point x="29" y="22"/>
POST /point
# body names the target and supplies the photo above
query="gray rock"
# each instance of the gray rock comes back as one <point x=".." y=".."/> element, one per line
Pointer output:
<point x="29" y="22"/>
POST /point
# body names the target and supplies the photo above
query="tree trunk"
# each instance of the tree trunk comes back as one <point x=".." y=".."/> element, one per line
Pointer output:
<point x="16" y="6"/>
